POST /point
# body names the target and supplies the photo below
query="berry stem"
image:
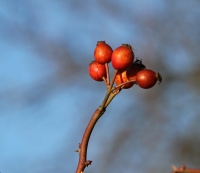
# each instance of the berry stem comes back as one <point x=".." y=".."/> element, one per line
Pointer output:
<point x="109" y="90"/>
<point x="107" y="74"/>
<point x="113" y="79"/>
<point x="121" y="85"/>
<point x="104" y="79"/>
<point x="112" y="95"/>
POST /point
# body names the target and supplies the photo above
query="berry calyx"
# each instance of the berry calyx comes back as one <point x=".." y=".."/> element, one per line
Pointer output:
<point x="102" y="52"/>
<point x="122" y="57"/>
<point x="132" y="71"/>
<point x="122" y="78"/>
<point x="97" y="71"/>
<point x="147" y="78"/>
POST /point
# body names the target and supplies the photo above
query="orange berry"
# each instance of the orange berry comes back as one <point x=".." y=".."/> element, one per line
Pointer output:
<point x="147" y="78"/>
<point x="121" y="78"/>
<point x="122" y="57"/>
<point x="102" y="52"/>
<point x="97" y="71"/>
<point x="132" y="71"/>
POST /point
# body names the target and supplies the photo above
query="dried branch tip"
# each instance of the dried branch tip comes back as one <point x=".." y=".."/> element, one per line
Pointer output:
<point x="183" y="169"/>
<point x="176" y="170"/>
<point x="159" y="77"/>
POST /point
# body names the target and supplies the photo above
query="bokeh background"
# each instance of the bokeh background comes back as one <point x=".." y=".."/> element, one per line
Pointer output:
<point x="47" y="96"/>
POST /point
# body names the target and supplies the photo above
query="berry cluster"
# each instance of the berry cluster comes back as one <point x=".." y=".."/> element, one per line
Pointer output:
<point x="127" y="71"/>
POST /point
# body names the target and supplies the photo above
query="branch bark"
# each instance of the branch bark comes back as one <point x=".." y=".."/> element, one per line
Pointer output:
<point x="83" y="162"/>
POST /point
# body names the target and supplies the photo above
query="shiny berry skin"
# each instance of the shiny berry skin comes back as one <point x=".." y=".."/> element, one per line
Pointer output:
<point x="102" y="52"/>
<point x="97" y="71"/>
<point x="132" y="71"/>
<point x="122" y="57"/>
<point x="147" y="78"/>
<point x="121" y="78"/>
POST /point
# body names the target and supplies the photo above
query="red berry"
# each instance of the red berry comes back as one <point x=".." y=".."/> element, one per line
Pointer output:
<point x="121" y="78"/>
<point x="134" y="69"/>
<point x="122" y="57"/>
<point x="102" y="52"/>
<point x="147" y="78"/>
<point x="97" y="71"/>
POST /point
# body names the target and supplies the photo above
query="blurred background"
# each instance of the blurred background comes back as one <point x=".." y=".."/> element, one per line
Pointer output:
<point x="47" y="96"/>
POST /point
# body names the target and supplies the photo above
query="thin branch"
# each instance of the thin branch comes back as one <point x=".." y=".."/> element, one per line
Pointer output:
<point x="83" y="162"/>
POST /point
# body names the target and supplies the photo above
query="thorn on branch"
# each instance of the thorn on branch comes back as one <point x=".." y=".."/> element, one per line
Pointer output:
<point x="78" y="151"/>
<point x="79" y="148"/>
<point x="88" y="162"/>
